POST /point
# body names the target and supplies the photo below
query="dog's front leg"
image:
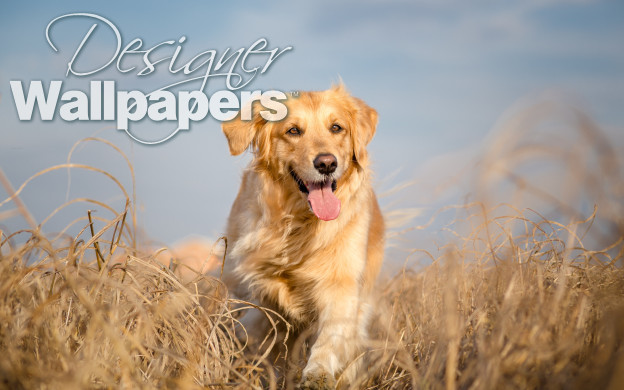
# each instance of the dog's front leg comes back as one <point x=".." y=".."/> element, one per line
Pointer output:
<point x="341" y="329"/>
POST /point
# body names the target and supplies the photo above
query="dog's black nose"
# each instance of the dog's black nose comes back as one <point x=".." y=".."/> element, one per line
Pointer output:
<point x="325" y="163"/>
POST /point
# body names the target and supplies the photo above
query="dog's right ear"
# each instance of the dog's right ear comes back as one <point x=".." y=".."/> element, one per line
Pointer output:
<point x="240" y="133"/>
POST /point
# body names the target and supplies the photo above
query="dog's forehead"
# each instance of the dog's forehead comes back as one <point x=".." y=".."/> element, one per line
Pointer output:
<point x="318" y="106"/>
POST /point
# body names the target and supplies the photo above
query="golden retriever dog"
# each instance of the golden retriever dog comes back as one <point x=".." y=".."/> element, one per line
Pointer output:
<point x="305" y="233"/>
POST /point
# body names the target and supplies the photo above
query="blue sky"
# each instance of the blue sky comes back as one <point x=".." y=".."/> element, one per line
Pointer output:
<point x="440" y="74"/>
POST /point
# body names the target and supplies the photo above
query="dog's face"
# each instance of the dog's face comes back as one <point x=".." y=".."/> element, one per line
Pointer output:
<point x="313" y="149"/>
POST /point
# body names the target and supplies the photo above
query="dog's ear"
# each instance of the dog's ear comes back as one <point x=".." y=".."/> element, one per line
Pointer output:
<point x="242" y="133"/>
<point x="362" y="134"/>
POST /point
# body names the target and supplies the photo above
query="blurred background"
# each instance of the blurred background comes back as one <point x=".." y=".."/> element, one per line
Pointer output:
<point x="455" y="84"/>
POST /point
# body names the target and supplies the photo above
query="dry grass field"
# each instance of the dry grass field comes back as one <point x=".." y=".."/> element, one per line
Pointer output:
<point x="516" y="300"/>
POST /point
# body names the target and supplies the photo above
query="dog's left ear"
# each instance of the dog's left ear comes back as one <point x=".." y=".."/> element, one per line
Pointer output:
<point x="240" y="134"/>
<point x="366" y="125"/>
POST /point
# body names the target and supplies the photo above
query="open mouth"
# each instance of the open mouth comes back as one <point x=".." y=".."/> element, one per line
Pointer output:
<point x="324" y="204"/>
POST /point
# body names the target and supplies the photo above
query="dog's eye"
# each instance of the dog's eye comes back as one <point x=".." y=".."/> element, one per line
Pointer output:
<point x="336" y="128"/>
<point x="294" y="131"/>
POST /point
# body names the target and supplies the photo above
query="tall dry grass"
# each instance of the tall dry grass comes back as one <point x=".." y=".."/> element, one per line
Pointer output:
<point x="515" y="299"/>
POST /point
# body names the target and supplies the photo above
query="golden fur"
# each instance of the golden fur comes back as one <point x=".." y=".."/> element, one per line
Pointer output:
<point x="316" y="273"/>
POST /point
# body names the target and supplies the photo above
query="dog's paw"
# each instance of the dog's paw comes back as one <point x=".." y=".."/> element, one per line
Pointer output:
<point x="318" y="382"/>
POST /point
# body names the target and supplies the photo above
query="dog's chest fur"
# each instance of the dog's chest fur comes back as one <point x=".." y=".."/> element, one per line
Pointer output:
<point x="283" y="255"/>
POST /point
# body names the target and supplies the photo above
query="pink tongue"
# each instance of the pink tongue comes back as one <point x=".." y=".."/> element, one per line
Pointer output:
<point x="323" y="201"/>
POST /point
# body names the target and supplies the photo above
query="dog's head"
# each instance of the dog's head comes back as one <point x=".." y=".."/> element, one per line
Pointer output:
<point x="314" y="148"/>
